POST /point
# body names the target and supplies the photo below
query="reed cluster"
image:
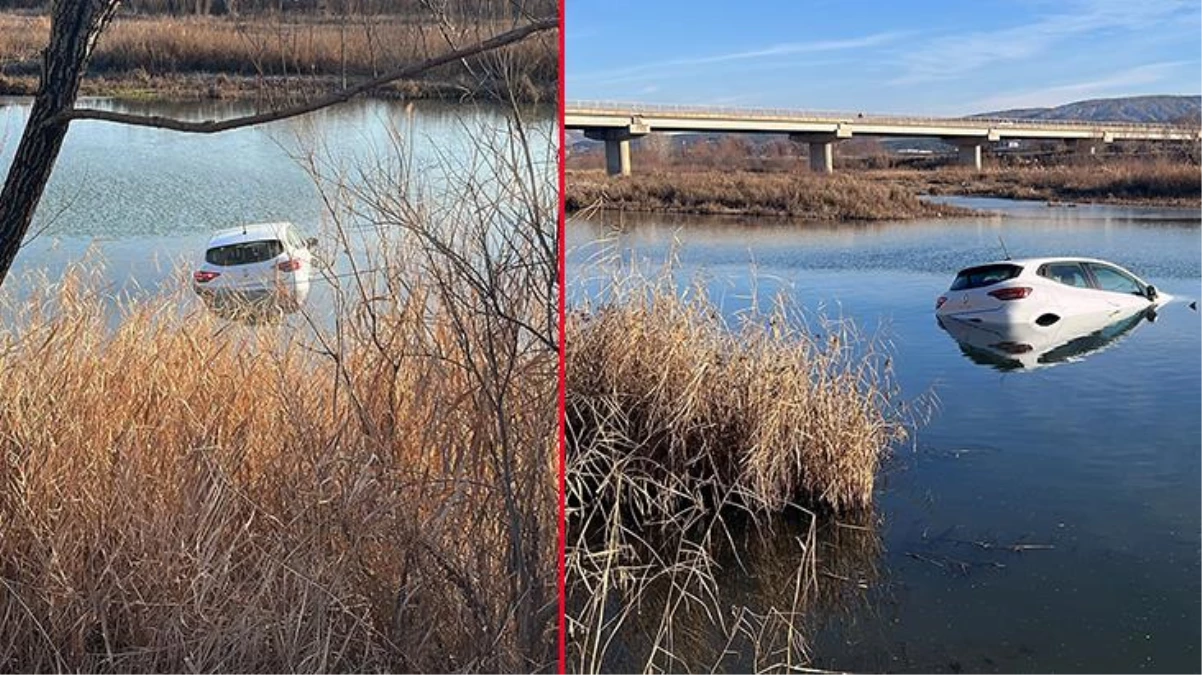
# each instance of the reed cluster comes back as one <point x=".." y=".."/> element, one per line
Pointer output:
<point x="182" y="493"/>
<point x="1134" y="181"/>
<point x="685" y="433"/>
<point x="809" y="196"/>
<point x="367" y="485"/>
<point x="144" y="50"/>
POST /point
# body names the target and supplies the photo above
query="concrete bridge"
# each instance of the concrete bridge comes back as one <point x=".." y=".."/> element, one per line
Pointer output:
<point x="618" y="123"/>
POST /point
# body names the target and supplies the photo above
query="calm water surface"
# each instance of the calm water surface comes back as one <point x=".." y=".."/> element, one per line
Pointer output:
<point x="147" y="200"/>
<point x="1096" y="457"/>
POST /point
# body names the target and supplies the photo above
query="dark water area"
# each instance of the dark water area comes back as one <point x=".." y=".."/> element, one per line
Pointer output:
<point x="1043" y="519"/>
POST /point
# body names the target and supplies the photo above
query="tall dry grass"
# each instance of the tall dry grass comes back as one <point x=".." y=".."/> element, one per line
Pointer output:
<point x="371" y="489"/>
<point x="684" y="432"/>
<point x="841" y="196"/>
<point x="1129" y="180"/>
<point x="147" y="47"/>
<point x="180" y="493"/>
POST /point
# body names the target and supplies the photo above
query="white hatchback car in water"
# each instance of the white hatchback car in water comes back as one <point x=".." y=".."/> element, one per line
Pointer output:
<point x="259" y="265"/>
<point x="1041" y="292"/>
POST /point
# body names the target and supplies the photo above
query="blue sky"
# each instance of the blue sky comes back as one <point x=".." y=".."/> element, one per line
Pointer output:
<point x="935" y="58"/>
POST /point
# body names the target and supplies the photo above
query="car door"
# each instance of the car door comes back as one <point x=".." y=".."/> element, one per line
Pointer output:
<point x="1120" y="290"/>
<point x="1075" y="293"/>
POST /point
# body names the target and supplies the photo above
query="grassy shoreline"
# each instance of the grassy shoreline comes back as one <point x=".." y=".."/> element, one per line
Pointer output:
<point x="191" y="58"/>
<point x="219" y="86"/>
<point x="1127" y="183"/>
<point x="866" y="195"/>
<point x="802" y="196"/>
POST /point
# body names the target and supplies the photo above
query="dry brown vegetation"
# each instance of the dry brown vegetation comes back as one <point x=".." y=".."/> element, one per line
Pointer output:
<point x="179" y="493"/>
<point x="680" y="425"/>
<point x="808" y="196"/>
<point x="368" y="490"/>
<point x="159" y="53"/>
<point x="473" y="9"/>
<point x="1130" y="181"/>
<point x="888" y="194"/>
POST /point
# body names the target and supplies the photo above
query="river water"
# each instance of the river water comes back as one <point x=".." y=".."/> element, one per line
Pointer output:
<point x="145" y="201"/>
<point x="1043" y="519"/>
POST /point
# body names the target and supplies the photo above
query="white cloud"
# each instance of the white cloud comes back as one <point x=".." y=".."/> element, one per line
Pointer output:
<point x="1117" y="84"/>
<point x="666" y="68"/>
<point x="958" y="55"/>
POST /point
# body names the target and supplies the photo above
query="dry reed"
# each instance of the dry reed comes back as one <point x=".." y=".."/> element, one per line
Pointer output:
<point x="372" y="490"/>
<point x="679" y="426"/>
<point x="796" y="195"/>
<point x="181" y="493"/>
<point x="1113" y="181"/>
<point x="146" y="50"/>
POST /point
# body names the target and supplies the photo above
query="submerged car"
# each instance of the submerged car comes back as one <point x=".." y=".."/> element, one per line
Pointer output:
<point x="1041" y="292"/>
<point x="259" y="266"/>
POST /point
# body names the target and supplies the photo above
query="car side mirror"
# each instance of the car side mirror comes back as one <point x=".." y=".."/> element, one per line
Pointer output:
<point x="311" y="242"/>
<point x="1150" y="292"/>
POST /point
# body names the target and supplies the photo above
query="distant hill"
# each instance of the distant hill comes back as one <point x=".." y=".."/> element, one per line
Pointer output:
<point x="1127" y="109"/>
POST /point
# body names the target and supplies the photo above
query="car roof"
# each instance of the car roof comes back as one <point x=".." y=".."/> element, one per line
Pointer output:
<point x="249" y="232"/>
<point x="1036" y="262"/>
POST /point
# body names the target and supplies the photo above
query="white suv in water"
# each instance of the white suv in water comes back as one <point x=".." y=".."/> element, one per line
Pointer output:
<point x="265" y="264"/>
<point x="1041" y="292"/>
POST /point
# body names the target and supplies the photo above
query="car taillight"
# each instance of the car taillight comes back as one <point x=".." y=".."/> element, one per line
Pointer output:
<point x="289" y="265"/>
<point x="203" y="276"/>
<point x="1016" y="293"/>
<point x="939" y="303"/>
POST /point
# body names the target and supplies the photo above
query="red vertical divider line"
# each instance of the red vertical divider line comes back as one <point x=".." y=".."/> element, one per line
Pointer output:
<point x="563" y="374"/>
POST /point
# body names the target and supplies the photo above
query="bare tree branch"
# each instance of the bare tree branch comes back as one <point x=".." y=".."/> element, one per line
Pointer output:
<point x="213" y="126"/>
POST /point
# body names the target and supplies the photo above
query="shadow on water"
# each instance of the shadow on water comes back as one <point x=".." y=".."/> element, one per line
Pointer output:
<point x="1012" y="348"/>
<point x="774" y="584"/>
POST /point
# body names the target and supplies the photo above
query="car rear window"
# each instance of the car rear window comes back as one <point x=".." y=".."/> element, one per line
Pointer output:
<point x="985" y="275"/>
<point x="245" y="253"/>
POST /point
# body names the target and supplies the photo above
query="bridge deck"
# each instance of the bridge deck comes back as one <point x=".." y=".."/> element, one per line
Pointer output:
<point x="649" y="118"/>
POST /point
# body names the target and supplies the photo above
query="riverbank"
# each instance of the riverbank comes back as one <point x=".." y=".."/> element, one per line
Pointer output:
<point x="1129" y="183"/>
<point x="806" y="196"/>
<point x="885" y="194"/>
<point x="220" y="87"/>
<point x="197" y="58"/>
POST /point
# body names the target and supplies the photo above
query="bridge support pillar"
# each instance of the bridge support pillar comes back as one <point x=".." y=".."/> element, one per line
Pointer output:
<point x="822" y="157"/>
<point x="1085" y="148"/>
<point x="822" y="150"/>
<point x="617" y="157"/>
<point x="1082" y="147"/>
<point x="968" y="151"/>
<point x="617" y="145"/>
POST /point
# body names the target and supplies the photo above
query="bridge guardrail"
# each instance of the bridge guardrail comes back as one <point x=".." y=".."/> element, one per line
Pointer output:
<point x="625" y="108"/>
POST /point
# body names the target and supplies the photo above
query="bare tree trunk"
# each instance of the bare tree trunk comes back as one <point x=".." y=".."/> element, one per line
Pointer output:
<point x="74" y="27"/>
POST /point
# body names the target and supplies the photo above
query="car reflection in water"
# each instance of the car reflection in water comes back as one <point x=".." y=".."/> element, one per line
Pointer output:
<point x="1028" y="346"/>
